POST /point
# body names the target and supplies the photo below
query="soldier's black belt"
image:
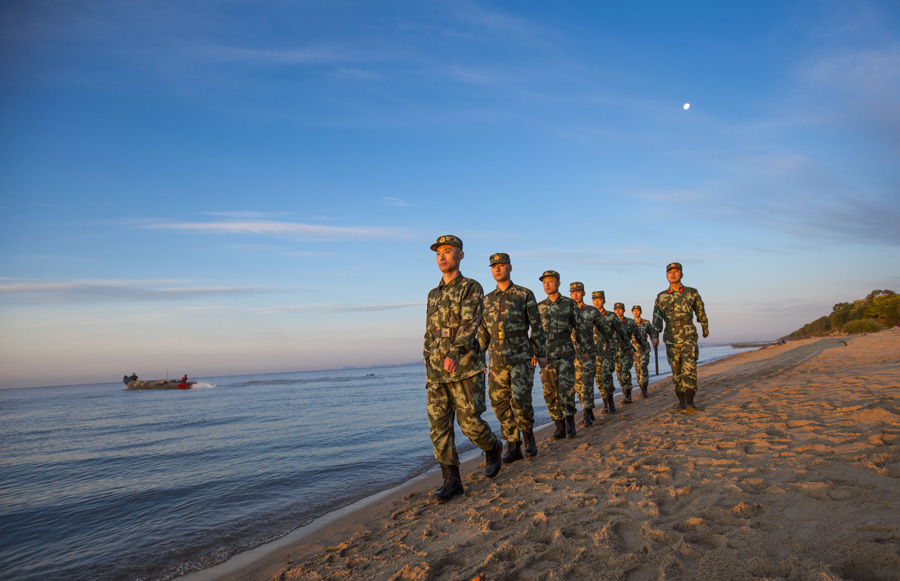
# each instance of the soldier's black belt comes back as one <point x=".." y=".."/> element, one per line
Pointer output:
<point x="558" y="336"/>
<point x="447" y="332"/>
<point x="682" y="322"/>
<point x="513" y="334"/>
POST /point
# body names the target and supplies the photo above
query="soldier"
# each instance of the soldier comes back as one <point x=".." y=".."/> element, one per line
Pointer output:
<point x="642" y="349"/>
<point x="585" y="369"/>
<point x="509" y="311"/>
<point x="606" y="353"/>
<point x="675" y="307"/>
<point x="454" y="366"/>
<point x="560" y="316"/>
<point x="625" y="353"/>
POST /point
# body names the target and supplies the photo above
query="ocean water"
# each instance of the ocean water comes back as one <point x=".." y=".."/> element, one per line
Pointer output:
<point x="101" y="483"/>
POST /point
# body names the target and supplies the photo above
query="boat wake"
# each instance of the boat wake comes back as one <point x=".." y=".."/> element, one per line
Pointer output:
<point x="202" y="385"/>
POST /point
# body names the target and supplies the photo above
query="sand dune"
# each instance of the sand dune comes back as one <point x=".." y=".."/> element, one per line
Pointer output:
<point x="791" y="470"/>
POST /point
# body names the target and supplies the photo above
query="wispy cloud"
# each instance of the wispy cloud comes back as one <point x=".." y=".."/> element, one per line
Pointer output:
<point x="389" y="201"/>
<point x="34" y="292"/>
<point x="332" y="307"/>
<point x="280" y="228"/>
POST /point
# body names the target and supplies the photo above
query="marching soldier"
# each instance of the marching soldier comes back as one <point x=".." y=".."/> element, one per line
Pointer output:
<point x="509" y="311"/>
<point x="642" y="349"/>
<point x="560" y="316"/>
<point x="625" y="352"/>
<point x="454" y="366"/>
<point x="585" y="369"/>
<point x="676" y="307"/>
<point x="606" y="353"/>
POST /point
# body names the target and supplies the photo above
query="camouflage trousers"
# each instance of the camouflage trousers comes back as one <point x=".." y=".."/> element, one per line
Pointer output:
<point x="642" y="367"/>
<point x="584" y="381"/>
<point x="605" y="365"/>
<point x="509" y="388"/>
<point x="464" y="400"/>
<point x="623" y="370"/>
<point x="682" y="358"/>
<point x="558" y="380"/>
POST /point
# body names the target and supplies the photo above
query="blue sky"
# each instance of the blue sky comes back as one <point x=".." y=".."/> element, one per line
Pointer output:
<point x="229" y="187"/>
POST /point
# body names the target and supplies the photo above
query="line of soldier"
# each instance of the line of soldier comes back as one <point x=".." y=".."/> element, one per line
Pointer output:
<point x="568" y="339"/>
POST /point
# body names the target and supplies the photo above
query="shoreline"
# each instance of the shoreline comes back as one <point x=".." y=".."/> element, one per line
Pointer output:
<point x="264" y="561"/>
<point x="789" y="470"/>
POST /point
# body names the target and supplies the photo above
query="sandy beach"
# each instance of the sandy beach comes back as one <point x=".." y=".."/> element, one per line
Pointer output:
<point x="790" y="470"/>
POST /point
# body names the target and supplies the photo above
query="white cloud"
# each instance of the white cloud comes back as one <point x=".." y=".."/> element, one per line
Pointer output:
<point x="278" y="228"/>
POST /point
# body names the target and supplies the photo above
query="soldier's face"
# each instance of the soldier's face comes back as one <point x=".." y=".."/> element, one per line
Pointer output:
<point x="636" y="313"/>
<point x="501" y="271"/>
<point x="599" y="303"/>
<point x="577" y="296"/>
<point x="551" y="285"/>
<point x="673" y="275"/>
<point x="620" y="312"/>
<point x="448" y="257"/>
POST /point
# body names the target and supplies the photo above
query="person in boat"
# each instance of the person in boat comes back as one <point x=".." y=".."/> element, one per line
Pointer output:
<point x="133" y="376"/>
<point x="184" y="379"/>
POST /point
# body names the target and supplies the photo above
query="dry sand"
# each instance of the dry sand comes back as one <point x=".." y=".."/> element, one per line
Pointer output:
<point x="791" y="470"/>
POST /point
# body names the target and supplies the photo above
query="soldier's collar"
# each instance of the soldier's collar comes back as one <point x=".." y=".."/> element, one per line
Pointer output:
<point x="453" y="282"/>
<point x="680" y="289"/>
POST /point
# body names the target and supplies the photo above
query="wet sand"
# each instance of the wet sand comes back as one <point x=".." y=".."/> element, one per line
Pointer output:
<point x="790" y="470"/>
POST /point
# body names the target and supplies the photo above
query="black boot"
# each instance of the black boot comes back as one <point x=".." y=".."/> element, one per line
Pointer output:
<point x="492" y="460"/>
<point x="589" y="417"/>
<point x="627" y="398"/>
<point x="530" y="444"/>
<point x="644" y="392"/>
<point x="513" y="452"/>
<point x="612" y="404"/>
<point x="570" y="426"/>
<point x="682" y="405"/>
<point x="560" y="432"/>
<point x="452" y="484"/>
<point x="689" y="401"/>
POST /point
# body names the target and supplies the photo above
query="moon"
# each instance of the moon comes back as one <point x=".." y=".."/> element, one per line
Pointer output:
<point x="687" y="106"/>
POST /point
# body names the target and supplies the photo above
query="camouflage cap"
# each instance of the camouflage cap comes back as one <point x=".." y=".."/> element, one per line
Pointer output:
<point x="499" y="258"/>
<point x="619" y="306"/>
<point x="598" y="295"/>
<point x="447" y="239"/>
<point x="576" y="286"/>
<point x="672" y="265"/>
<point x="638" y="307"/>
<point x="549" y="273"/>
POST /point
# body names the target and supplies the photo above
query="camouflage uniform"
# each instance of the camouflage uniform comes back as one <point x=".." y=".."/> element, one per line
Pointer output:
<point x="585" y="371"/>
<point x="606" y="352"/>
<point x="676" y="310"/>
<point x="623" y="360"/>
<point x="642" y="350"/>
<point x="454" y="315"/>
<point x="560" y="318"/>
<point x="504" y="335"/>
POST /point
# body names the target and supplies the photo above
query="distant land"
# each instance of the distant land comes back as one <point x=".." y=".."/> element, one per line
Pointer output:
<point x="879" y="310"/>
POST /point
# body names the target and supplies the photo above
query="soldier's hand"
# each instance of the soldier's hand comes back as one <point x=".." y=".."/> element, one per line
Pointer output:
<point x="705" y="334"/>
<point x="655" y="342"/>
<point x="542" y="361"/>
<point x="450" y="364"/>
<point x="585" y="356"/>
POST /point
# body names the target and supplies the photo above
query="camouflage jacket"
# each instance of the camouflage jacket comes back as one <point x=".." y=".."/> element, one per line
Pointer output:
<point x="503" y="332"/>
<point x="632" y="333"/>
<point x="676" y="310"/>
<point x="645" y="329"/>
<point x="597" y="333"/>
<point x="560" y="320"/>
<point x="614" y="329"/>
<point x="451" y="329"/>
